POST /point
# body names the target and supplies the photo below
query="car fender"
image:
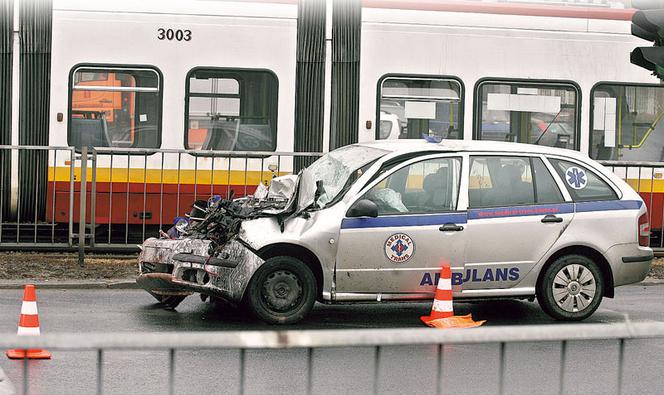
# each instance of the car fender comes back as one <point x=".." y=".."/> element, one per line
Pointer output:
<point x="317" y="232"/>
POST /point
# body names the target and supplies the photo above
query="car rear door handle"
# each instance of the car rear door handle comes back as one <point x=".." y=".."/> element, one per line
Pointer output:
<point x="551" y="218"/>
<point x="451" y="228"/>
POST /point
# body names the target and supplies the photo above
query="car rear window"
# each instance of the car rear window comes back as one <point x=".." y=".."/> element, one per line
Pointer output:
<point x="583" y="185"/>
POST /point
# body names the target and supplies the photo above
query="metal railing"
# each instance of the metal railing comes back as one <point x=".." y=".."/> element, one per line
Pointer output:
<point x="644" y="177"/>
<point x="32" y="186"/>
<point x="136" y="192"/>
<point x="112" y="198"/>
<point x="321" y="340"/>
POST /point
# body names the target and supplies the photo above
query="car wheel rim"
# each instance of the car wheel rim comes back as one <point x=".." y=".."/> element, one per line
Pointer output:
<point x="282" y="291"/>
<point x="574" y="288"/>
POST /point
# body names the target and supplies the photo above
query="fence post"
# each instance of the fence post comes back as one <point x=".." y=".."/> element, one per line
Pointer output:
<point x="81" y="219"/>
<point x="93" y="198"/>
<point x="72" y="165"/>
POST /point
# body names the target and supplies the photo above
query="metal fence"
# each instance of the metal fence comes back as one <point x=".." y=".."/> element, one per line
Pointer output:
<point x="31" y="188"/>
<point x="112" y="199"/>
<point x="135" y="192"/>
<point x="321" y="340"/>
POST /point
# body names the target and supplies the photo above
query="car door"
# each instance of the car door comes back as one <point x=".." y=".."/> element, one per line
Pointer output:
<point x="516" y="212"/>
<point x="417" y="228"/>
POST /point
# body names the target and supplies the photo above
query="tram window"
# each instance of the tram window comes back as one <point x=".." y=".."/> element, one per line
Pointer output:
<point x="528" y="112"/>
<point x="420" y="106"/>
<point x="115" y="107"/>
<point x="583" y="185"/>
<point x="627" y="122"/>
<point x="231" y="110"/>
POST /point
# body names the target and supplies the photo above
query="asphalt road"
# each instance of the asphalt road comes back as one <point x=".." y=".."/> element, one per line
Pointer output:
<point x="591" y="368"/>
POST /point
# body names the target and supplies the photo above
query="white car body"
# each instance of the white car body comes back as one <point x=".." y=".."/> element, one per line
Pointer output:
<point x="495" y="250"/>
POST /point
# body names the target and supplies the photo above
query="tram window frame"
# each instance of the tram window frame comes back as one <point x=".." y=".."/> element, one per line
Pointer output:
<point x="109" y="68"/>
<point x="447" y="78"/>
<point x="236" y="74"/>
<point x="597" y="86"/>
<point x="527" y="83"/>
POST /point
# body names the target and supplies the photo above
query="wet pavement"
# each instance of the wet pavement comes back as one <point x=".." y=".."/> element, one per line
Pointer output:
<point x="591" y="366"/>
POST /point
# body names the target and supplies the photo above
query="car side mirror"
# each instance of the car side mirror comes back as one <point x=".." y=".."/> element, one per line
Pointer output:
<point x="363" y="208"/>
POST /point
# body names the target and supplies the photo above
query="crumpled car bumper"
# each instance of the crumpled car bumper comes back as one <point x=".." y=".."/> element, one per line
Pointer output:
<point x="162" y="271"/>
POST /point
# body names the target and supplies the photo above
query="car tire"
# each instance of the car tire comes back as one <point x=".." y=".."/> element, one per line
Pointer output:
<point x="571" y="288"/>
<point x="281" y="291"/>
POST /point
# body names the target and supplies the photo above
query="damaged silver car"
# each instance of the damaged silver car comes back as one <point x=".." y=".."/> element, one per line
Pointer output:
<point x="375" y="221"/>
<point x="254" y="251"/>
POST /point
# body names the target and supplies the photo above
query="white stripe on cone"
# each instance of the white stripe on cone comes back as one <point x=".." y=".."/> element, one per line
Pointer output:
<point x="24" y="331"/>
<point x="445" y="284"/>
<point x="442" y="305"/>
<point x="29" y="308"/>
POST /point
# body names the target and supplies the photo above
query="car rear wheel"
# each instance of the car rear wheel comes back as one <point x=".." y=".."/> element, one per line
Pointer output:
<point x="282" y="291"/>
<point x="571" y="288"/>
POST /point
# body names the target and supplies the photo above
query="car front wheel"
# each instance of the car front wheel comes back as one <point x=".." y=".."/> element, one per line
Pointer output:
<point x="282" y="291"/>
<point x="571" y="288"/>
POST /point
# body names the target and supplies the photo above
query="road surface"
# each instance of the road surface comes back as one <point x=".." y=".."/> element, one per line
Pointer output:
<point x="591" y="367"/>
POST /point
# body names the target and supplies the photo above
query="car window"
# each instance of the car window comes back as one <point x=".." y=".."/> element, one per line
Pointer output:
<point x="546" y="189"/>
<point x="428" y="186"/>
<point x="583" y="185"/>
<point x="500" y="181"/>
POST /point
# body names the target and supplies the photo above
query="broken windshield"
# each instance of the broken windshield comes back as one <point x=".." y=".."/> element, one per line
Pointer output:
<point x="321" y="182"/>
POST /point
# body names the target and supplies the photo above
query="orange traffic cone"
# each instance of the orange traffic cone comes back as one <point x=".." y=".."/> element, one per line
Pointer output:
<point x="442" y="312"/>
<point x="28" y="325"/>
<point x="442" y="301"/>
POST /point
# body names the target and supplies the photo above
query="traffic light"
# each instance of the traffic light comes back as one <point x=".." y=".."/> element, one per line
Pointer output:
<point x="648" y="24"/>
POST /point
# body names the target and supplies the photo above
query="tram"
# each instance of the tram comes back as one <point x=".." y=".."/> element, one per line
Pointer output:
<point x="143" y="81"/>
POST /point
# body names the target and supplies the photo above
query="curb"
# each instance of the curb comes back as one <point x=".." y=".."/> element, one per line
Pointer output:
<point x="651" y="281"/>
<point x="73" y="285"/>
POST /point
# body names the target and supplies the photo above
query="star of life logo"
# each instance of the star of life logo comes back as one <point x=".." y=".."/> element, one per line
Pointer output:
<point x="399" y="247"/>
<point x="576" y="177"/>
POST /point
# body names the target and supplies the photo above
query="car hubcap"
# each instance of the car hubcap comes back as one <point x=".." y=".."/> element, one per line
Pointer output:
<point x="282" y="290"/>
<point x="574" y="288"/>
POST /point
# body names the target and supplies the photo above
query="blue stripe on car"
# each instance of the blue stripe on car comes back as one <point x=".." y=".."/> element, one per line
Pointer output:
<point x="405" y="220"/>
<point x="520" y="211"/>
<point x="606" y="205"/>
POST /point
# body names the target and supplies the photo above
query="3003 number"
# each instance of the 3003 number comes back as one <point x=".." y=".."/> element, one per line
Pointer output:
<point x="174" y="34"/>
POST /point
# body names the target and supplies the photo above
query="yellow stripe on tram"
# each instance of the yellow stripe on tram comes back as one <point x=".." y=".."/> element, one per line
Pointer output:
<point x="237" y="177"/>
<point x="166" y="176"/>
<point x="646" y="185"/>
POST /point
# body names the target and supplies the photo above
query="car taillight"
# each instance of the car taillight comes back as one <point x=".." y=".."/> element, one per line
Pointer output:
<point x="644" y="230"/>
